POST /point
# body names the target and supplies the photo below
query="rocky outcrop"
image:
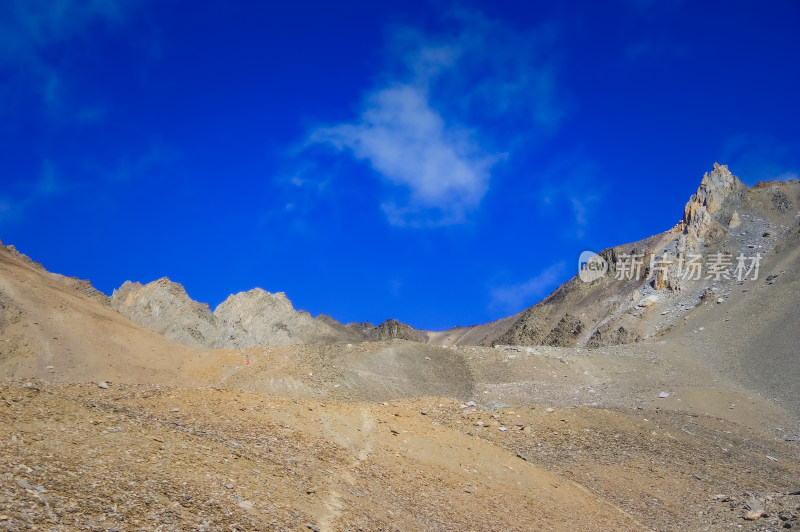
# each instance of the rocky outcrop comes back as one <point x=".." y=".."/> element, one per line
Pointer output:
<point x="258" y="317"/>
<point x="565" y="333"/>
<point x="716" y="189"/>
<point x="393" y="329"/>
<point x="166" y="308"/>
<point x="735" y="221"/>
<point x="780" y="201"/>
<point x="247" y="319"/>
<point x="84" y="287"/>
<point x="648" y="286"/>
<point x="12" y="250"/>
<point x="79" y="285"/>
<point x="528" y="330"/>
<point x="609" y="336"/>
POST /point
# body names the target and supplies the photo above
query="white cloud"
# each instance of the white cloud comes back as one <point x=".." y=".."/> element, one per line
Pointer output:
<point x="410" y="145"/>
<point x="514" y="298"/>
<point x="432" y="130"/>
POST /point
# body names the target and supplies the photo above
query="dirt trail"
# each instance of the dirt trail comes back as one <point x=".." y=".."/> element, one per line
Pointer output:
<point x="360" y="442"/>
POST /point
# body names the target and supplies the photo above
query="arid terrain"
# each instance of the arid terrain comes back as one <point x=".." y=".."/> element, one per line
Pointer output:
<point x="652" y="403"/>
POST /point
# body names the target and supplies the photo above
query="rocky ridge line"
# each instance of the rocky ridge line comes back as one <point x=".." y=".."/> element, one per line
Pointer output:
<point x="247" y="319"/>
<point x="723" y="216"/>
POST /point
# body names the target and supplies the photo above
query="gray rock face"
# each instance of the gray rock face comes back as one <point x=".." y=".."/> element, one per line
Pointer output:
<point x="166" y="308"/>
<point x="247" y="319"/>
<point x="393" y="329"/>
<point x="606" y="335"/>
<point x="716" y="189"/>
<point x="258" y="317"/>
<point x="651" y="285"/>
<point x="780" y="201"/>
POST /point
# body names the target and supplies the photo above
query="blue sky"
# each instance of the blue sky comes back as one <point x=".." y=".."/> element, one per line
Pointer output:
<point x="439" y="163"/>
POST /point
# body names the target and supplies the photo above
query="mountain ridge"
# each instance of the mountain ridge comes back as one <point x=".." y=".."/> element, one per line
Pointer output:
<point x="98" y="407"/>
<point x="567" y="317"/>
<point x="723" y="216"/>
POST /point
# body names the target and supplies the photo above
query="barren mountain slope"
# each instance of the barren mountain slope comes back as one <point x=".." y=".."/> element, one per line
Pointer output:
<point x="750" y="331"/>
<point x="50" y="328"/>
<point x="137" y="457"/>
<point x="681" y="430"/>
<point x="334" y="437"/>
<point x="650" y="285"/>
<point x="90" y="457"/>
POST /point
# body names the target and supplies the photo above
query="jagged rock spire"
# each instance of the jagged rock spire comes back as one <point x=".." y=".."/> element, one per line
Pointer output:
<point x="714" y="190"/>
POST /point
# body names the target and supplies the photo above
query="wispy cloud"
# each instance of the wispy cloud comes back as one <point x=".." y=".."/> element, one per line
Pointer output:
<point x="516" y="297"/>
<point x="571" y="183"/>
<point x="441" y="118"/>
<point x="31" y="29"/>
<point x="62" y="180"/>
<point x="138" y="165"/>
<point x="14" y="204"/>
<point x="306" y="189"/>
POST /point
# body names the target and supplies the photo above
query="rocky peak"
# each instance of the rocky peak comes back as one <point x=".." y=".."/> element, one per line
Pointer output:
<point x="166" y="308"/>
<point x="392" y="329"/>
<point x="716" y="189"/>
<point x="255" y="298"/>
<point x="246" y="319"/>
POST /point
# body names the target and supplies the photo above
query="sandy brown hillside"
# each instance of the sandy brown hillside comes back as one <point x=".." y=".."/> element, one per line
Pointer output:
<point x="61" y="329"/>
<point x="388" y="435"/>
<point x="108" y="425"/>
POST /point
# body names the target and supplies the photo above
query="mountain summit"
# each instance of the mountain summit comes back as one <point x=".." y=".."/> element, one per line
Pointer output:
<point x="731" y="235"/>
